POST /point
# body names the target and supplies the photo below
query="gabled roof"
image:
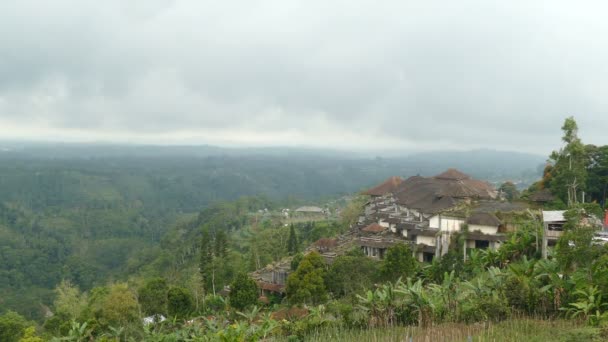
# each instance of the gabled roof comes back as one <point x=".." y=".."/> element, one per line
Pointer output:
<point x="386" y="187"/>
<point x="373" y="228"/>
<point x="484" y="219"/>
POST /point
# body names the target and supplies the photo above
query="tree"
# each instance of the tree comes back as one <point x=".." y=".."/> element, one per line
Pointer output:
<point x="597" y="169"/>
<point x="153" y="297"/>
<point x="115" y="306"/>
<point x="205" y="258"/>
<point x="510" y="191"/>
<point x="69" y="299"/>
<point x="179" y="302"/>
<point x="574" y="248"/>
<point x="295" y="261"/>
<point x="569" y="172"/>
<point x="12" y="326"/>
<point x="243" y="292"/>
<point x="306" y="284"/>
<point x="398" y="262"/>
<point x="350" y="274"/>
<point x="292" y="242"/>
<point x="213" y="252"/>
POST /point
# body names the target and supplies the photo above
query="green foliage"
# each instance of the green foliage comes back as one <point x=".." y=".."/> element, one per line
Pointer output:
<point x="29" y="335"/>
<point x="69" y="300"/>
<point x="351" y="274"/>
<point x="12" y="326"/>
<point x="509" y="190"/>
<point x="306" y="284"/>
<point x="115" y="305"/>
<point x="398" y="263"/>
<point x="570" y="165"/>
<point x="153" y="297"/>
<point x="295" y="261"/>
<point x="243" y="292"/>
<point x="179" y="302"/>
<point x="574" y="248"/>
<point x="292" y="242"/>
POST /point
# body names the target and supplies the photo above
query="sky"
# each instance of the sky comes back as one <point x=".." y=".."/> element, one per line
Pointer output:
<point x="416" y="75"/>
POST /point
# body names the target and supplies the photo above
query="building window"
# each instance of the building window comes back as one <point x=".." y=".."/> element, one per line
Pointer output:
<point x="482" y="244"/>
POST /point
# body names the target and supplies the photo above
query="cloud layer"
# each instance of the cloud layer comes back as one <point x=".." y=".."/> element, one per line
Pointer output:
<point x="351" y="74"/>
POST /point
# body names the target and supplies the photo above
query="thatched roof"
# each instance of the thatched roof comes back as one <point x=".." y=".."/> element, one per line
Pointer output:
<point x="452" y="174"/>
<point x="442" y="192"/>
<point x="386" y="187"/>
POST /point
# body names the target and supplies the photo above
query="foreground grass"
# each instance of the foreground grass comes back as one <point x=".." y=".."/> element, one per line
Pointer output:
<point x="512" y="330"/>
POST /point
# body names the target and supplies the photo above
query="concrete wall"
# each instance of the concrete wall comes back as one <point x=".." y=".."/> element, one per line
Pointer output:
<point x="484" y="229"/>
<point x="434" y="222"/>
<point x="427" y="240"/>
<point x="450" y="224"/>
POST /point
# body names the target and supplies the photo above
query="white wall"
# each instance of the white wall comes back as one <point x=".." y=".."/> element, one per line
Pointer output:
<point x="484" y="229"/>
<point x="434" y="222"/>
<point x="450" y="224"/>
<point x="427" y="240"/>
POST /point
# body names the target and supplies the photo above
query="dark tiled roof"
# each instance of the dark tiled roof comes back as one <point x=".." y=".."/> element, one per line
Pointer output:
<point x="543" y="195"/>
<point x="423" y="232"/>
<point x="484" y="219"/>
<point x="487" y="237"/>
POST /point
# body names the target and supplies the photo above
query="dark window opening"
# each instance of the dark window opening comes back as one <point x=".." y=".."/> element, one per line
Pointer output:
<point x="428" y="257"/>
<point x="482" y="244"/>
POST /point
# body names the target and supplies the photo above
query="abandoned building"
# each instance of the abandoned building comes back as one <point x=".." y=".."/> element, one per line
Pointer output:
<point x="425" y="212"/>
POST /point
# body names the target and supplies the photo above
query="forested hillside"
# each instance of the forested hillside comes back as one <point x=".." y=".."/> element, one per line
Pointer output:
<point x="92" y="214"/>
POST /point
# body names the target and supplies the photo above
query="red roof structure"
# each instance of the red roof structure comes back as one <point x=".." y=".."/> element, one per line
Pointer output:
<point x="386" y="187"/>
<point x="373" y="228"/>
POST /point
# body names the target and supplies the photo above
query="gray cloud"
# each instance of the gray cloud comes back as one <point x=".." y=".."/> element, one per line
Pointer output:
<point x="342" y="73"/>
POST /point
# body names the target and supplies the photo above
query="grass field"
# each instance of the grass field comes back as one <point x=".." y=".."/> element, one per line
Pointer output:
<point x="516" y="330"/>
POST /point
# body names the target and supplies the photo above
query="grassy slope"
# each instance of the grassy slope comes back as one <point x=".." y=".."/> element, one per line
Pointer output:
<point x="514" y="330"/>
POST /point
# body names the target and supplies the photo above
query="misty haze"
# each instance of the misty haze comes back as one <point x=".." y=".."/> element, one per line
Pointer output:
<point x="303" y="171"/>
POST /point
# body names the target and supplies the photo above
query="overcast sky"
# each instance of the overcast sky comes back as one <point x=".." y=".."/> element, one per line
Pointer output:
<point x="344" y="74"/>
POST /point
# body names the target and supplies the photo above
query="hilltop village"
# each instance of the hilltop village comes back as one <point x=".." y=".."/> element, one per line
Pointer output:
<point x="420" y="211"/>
<point x="425" y="213"/>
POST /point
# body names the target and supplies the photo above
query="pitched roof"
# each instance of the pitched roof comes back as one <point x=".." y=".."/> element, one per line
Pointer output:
<point x="373" y="228"/>
<point x="388" y="186"/>
<point x="452" y="174"/>
<point x="543" y="195"/>
<point x="442" y="192"/>
<point x="484" y="219"/>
